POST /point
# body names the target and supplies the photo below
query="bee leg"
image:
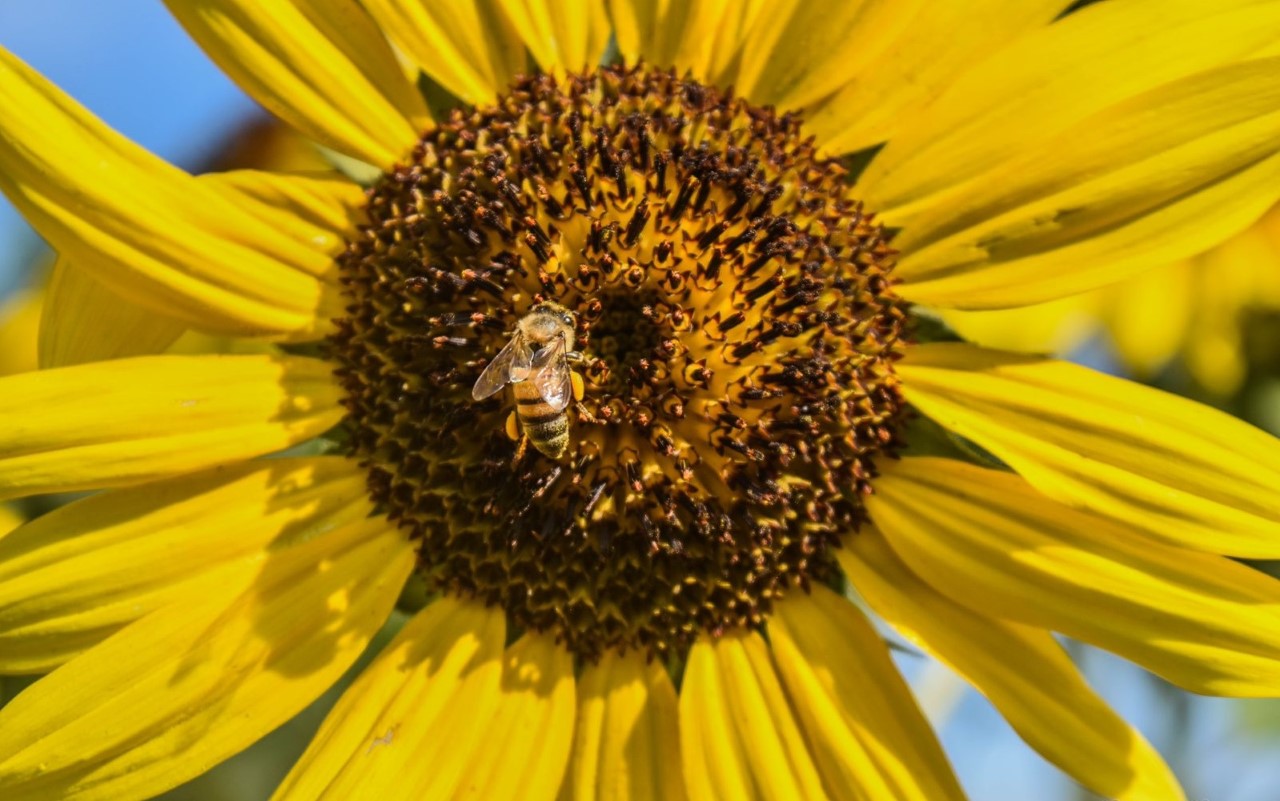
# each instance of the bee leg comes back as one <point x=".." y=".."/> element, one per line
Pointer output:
<point x="585" y="414"/>
<point x="513" y="431"/>
<point x="575" y="357"/>
<point x="580" y="389"/>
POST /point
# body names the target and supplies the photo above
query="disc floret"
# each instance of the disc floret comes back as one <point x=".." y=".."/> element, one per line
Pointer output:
<point x="733" y="307"/>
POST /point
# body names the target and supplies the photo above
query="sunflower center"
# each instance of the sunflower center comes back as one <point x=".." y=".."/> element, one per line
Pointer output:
<point x="732" y="325"/>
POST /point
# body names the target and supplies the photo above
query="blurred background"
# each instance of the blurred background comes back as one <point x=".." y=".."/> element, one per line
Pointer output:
<point x="1208" y="328"/>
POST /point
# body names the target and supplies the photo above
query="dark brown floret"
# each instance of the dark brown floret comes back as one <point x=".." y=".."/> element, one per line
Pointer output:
<point x="734" y="310"/>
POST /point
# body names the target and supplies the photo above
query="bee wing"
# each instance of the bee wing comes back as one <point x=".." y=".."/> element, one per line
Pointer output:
<point x="551" y="375"/>
<point x="511" y="364"/>
<point x="521" y="359"/>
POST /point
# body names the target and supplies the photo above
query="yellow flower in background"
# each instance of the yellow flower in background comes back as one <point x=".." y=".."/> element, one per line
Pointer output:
<point x="655" y="613"/>
<point x="1196" y="309"/>
<point x="19" y="322"/>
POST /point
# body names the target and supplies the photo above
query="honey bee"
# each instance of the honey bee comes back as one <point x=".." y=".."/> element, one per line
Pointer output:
<point x="535" y="362"/>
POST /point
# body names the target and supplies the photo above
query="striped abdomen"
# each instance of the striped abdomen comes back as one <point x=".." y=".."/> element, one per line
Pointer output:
<point x="546" y="428"/>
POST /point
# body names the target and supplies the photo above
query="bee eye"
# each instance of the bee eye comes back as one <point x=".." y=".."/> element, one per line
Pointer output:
<point x="567" y="320"/>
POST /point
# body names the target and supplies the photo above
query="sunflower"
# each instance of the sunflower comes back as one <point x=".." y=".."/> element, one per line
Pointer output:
<point x="662" y="610"/>
<point x="1196" y="310"/>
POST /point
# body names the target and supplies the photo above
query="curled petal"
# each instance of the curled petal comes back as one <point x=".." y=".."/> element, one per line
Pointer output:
<point x="991" y="542"/>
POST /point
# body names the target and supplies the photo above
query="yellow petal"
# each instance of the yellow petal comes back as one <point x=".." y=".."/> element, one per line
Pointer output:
<point x="1216" y="359"/>
<point x="1154" y="179"/>
<point x="738" y="732"/>
<point x="19" y="325"/>
<point x="803" y="50"/>
<point x="1023" y="672"/>
<point x="1149" y="316"/>
<point x="1052" y="79"/>
<point x="74" y="576"/>
<point x="121" y="422"/>
<point x="467" y="46"/>
<point x="193" y="683"/>
<point x="83" y="321"/>
<point x="1176" y="469"/>
<point x="939" y="41"/>
<point x="1057" y="326"/>
<point x="322" y="66"/>
<point x="148" y="231"/>
<point x="410" y="723"/>
<point x="628" y="736"/>
<point x="196" y="343"/>
<point x="869" y="738"/>
<point x="317" y="210"/>
<point x="988" y="540"/>
<point x="526" y="750"/>
<point x="1226" y="284"/>
<point x="701" y="37"/>
<point x="566" y="35"/>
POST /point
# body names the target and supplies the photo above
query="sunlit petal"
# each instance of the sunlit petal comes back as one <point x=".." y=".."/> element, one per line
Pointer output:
<point x="1158" y="178"/>
<point x="467" y="46"/>
<point x="800" y="51"/>
<point x="193" y="683"/>
<point x="922" y="59"/>
<point x="148" y="231"/>
<point x="988" y="540"/>
<point x="1023" y="672"/>
<point x="738" y="731"/>
<point x="72" y="577"/>
<point x="1053" y="78"/>
<point x="627" y="744"/>
<point x="113" y="423"/>
<point x="567" y="35"/>
<point x="321" y="65"/>
<point x="411" y="723"/>
<point x="868" y="736"/>
<point x="1178" y="470"/>
<point x="702" y="37"/>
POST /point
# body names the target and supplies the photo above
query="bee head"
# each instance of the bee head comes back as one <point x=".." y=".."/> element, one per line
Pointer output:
<point x="552" y="314"/>
<point x="546" y="320"/>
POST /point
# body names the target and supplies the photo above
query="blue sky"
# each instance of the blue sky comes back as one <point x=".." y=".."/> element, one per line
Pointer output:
<point x="129" y="62"/>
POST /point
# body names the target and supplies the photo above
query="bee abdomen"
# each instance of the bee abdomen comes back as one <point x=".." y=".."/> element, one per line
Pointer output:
<point x="547" y="429"/>
<point x="549" y="432"/>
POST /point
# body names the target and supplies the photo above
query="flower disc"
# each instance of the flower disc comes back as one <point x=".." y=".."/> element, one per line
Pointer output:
<point x="737" y="328"/>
